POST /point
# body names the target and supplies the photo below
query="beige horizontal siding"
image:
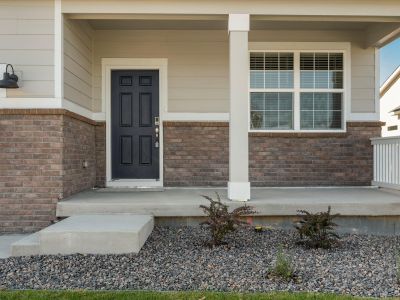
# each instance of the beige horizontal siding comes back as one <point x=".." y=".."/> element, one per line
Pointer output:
<point x="27" y="9"/>
<point x="362" y="79"/>
<point x="33" y="89"/>
<point x="197" y="64"/>
<point x="78" y="62"/>
<point x="27" y="42"/>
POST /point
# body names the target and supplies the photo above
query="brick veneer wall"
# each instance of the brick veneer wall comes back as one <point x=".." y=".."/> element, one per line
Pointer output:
<point x="196" y="153"/>
<point x="327" y="159"/>
<point x="41" y="156"/>
<point x="30" y="170"/>
<point x="42" y="151"/>
<point x="79" y="148"/>
<point x="101" y="155"/>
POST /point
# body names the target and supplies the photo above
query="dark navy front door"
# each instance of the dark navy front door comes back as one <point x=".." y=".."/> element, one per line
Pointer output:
<point x="134" y="124"/>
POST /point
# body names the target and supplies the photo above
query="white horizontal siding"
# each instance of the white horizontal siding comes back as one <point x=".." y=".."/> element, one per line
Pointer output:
<point x="78" y="62"/>
<point x="27" y="42"/>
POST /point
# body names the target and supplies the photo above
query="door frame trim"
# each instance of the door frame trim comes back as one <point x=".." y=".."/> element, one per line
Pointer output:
<point x="110" y="64"/>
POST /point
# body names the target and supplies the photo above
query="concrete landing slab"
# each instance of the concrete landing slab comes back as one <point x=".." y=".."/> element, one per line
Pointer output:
<point x="97" y="234"/>
<point x="348" y="201"/>
<point x="29" y="245"/>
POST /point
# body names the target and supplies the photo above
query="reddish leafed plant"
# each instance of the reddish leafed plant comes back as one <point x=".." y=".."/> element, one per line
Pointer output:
<point x="220" y="221"/>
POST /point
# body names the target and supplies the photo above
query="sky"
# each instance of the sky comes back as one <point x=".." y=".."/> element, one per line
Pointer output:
<point x="390" y="59"/>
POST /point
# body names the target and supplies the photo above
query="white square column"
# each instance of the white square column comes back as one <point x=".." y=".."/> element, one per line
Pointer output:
<point x="238" y="185"/>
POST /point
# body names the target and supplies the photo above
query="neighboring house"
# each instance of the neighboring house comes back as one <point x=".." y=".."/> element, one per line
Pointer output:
<point x="390" y="105"/>
<point x="186" y="93"/>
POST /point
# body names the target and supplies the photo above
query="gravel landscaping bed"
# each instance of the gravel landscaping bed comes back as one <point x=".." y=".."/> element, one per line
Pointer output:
<point x="176" y="259"/>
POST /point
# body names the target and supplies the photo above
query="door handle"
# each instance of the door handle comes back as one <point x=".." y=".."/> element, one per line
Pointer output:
<point x="157" y="131"/>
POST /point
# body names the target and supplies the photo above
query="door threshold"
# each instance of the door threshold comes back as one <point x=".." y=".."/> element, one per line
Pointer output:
<point x="129" y="190"/>
<point x="134" y="183"/>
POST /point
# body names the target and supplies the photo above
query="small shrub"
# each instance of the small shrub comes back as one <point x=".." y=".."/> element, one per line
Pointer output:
<point x="283" y="267"/>
<point x="220" y="221"/>
<point x="317" y="230"/>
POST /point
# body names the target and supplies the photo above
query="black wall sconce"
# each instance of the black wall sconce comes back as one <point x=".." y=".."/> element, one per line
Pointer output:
<point x="9" y="81"/>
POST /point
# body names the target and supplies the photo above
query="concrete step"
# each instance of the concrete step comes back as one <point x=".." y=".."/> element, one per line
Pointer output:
<point x="26" y="246"/>
<point x="90" y="234"/>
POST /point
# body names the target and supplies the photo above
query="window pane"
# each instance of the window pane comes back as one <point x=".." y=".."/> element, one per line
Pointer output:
<point x="335" y="61"/>
<point x="335" y="119"/>
<point x="271" y="120"/>
<point x="285" y="101"/>
<point x="270" y="110"/>
<point x="321" y="79"/>
<point x="321" y="70"/>
<point x="307" y="101"/>
<point x="335" y="101"/>
<point x="286" y="79"/>
<point x="286" y="61"/>
<point x="321" y="110"/>
<point x="271" y="101"/>
<point x="271" y="61"/>
<point x="257" y="101"/>
<point x="257" y="119"/>
<point x="307" y="79"/>
<point x="306" y="120"/>
<point x="257" y="79"/>
<point x="321" y="119"/>
<point x="335" y="79"/>
<point x="307" y="61"/>
<point x="257" y="61"/>
<point x="285" y="120"/>
<point x="271" y="70"/>
<point x="286" y="70"/>
<point x="321" y="101"/>
<point x="321" y="61"/>
<point x="271" y="79"/>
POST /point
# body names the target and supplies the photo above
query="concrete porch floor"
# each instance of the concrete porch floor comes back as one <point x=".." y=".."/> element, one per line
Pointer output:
<point x="184" y="202"/>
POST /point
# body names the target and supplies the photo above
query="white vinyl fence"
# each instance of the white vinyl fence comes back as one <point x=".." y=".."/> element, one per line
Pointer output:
<point x="387" y="162"/>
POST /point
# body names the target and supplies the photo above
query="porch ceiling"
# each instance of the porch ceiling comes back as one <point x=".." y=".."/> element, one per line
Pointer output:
<point x="222" y="24"/>
<point x="159" y="24"/>
<point x="376" y="31"/>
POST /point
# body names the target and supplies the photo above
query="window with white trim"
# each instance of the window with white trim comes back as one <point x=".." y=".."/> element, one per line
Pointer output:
<point x="299" y="90"/>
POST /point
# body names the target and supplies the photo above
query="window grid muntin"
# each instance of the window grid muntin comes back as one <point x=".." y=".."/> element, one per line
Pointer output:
<point x="278" y="111"/>
<point x="315" y="110"/>
<point x="297" y="90"/>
